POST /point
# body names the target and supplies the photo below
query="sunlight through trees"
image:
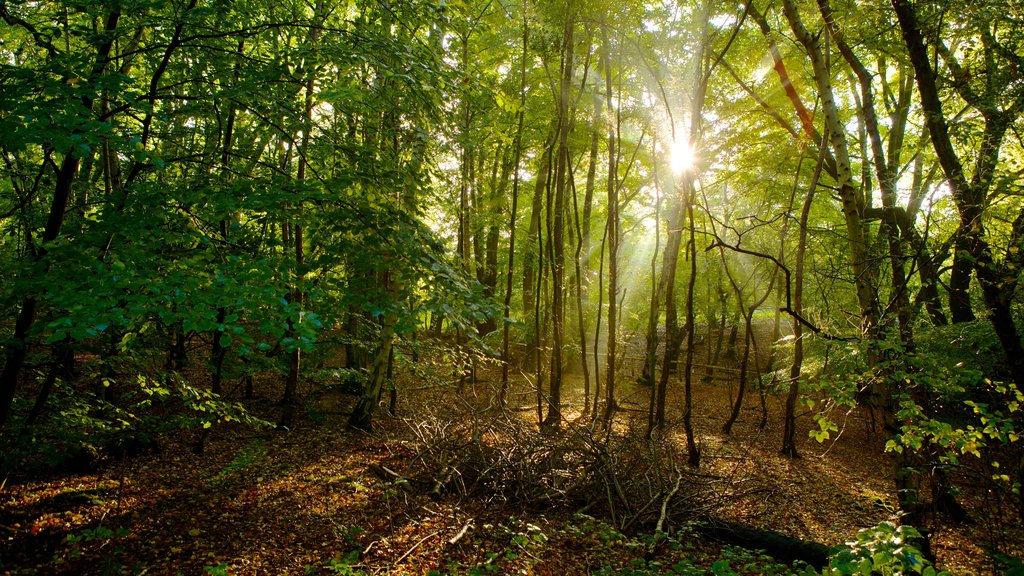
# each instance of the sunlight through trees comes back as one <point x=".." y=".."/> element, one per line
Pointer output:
<point x="582" y="213"/>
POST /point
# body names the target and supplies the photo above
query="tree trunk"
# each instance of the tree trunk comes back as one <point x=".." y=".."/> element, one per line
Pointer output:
<point x="553" y="420"/>
<point x="580" y="320"/>
<point x="852" y="203"/>
<point x="218" y="350"/>
<point x="749" y="344"/>
<point x="657" y="403"/>
<point x="789" y="421"/>
<point x="490" y="268"/>
<point x="960" y="309"/>
<point x="362" y="414"/>
<point x="533" y="252"/>
<point x="297" y="297"/>
<point x="612" y="233"/>
<point x="692" y="450"/>
<point x="997" y="285"/>
<point x="520" y="120"/>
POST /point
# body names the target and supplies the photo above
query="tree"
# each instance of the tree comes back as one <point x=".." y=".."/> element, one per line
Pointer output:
<point x="999" y="102"/>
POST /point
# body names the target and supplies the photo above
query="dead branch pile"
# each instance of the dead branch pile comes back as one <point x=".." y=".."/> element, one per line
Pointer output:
<point x="632" y="481"/>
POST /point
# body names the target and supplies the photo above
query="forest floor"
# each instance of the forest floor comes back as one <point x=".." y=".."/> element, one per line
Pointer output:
<point x="319" y="499"/>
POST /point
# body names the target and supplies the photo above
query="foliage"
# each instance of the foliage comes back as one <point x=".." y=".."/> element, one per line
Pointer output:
<point x="884" y="549"/>
<point x="98" y="538"/>
<point x="993" y="426"/>
<point x="87" y="430"/>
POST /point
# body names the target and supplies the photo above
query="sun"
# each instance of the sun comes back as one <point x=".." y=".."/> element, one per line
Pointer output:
<point x="683" y="157"/>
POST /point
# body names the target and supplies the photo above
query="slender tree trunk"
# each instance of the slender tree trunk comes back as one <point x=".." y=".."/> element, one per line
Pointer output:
<point x="62" y="367"/>
<point x="789" y="421"/>
<point x="297" y="298"/>
<point x="580" y="321"/>
<point x="926" y="262"/>
<point x="493" y="233"/>
<point x="723" y="304"/>
<point x="657" y="402"/>
<point x="520" y="120"/>
<point x="885" y="162"/>
<point x="218" y="349"/>
<point x="852" y="202"/>
<point x="392" y="279"/>
<point x="670" y="264"/>
<point x="554" y="416"/>
<point x="749" y="343"/>
<point x="362" y="413"/>
<point x="693" y="451"/>
<point x="588" y="197"/>
<point x="960" y="283"/>
<point x="612" y="233"/>
<point x="533" y="251"/>
<point x="741" y="391"/>
<point x="597" y="330"/>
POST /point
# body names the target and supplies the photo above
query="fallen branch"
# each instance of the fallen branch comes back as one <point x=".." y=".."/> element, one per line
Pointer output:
<point x="664" y="504"/>
<point x="415" y="546"/>
<point x="785" y="549"/>
<point x="465" y="528"/>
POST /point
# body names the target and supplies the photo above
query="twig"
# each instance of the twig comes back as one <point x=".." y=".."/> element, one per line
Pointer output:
<point x="415" y="546"/>
<point x="465" y="528"/>
<point x="370" y="547"/>
<point x="664" y="504"/>
<point x="640" y="512"/>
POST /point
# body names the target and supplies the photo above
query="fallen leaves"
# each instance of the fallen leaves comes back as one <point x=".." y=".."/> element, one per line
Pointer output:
<point x="315" y="500"/>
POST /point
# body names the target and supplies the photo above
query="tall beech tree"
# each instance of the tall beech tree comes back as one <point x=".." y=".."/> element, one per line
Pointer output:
<point x="998" y="98"/>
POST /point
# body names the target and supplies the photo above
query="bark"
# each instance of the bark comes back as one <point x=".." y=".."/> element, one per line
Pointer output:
<point x="789" y="420"/>
<point x="782" y="548"/>
<point x="650" y="360"/>
<point x="960" y="309"/>
<point x="218" y="352"/>
<point x="62" y="367"/>
<point x="553" y="420"/>
<point x="806" y="118"/>
<point x="885" y="163"/>
<point x="588" y="196"/>
<point x="580" y="321"/>
<point x="490" y="268"/>
<point x="723" y="304"/>
<point x="393" y="282"/>
<point x="998" y="283"/>
<point x="703" y="75"/>
<point x="692" y="450"/>
<point x="465" y="163"/>
<point x="749" y="344"/>
<point x="731" y="351"/>
<point x="533" y="252"/>
<point x="926" y="262"/>
<point x="612" y="235"/>
<point x="362" y="414"/>
<point x="852" y="202"/>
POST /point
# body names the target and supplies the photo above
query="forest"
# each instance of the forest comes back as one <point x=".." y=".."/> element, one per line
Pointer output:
<point x="463" y="287"/>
